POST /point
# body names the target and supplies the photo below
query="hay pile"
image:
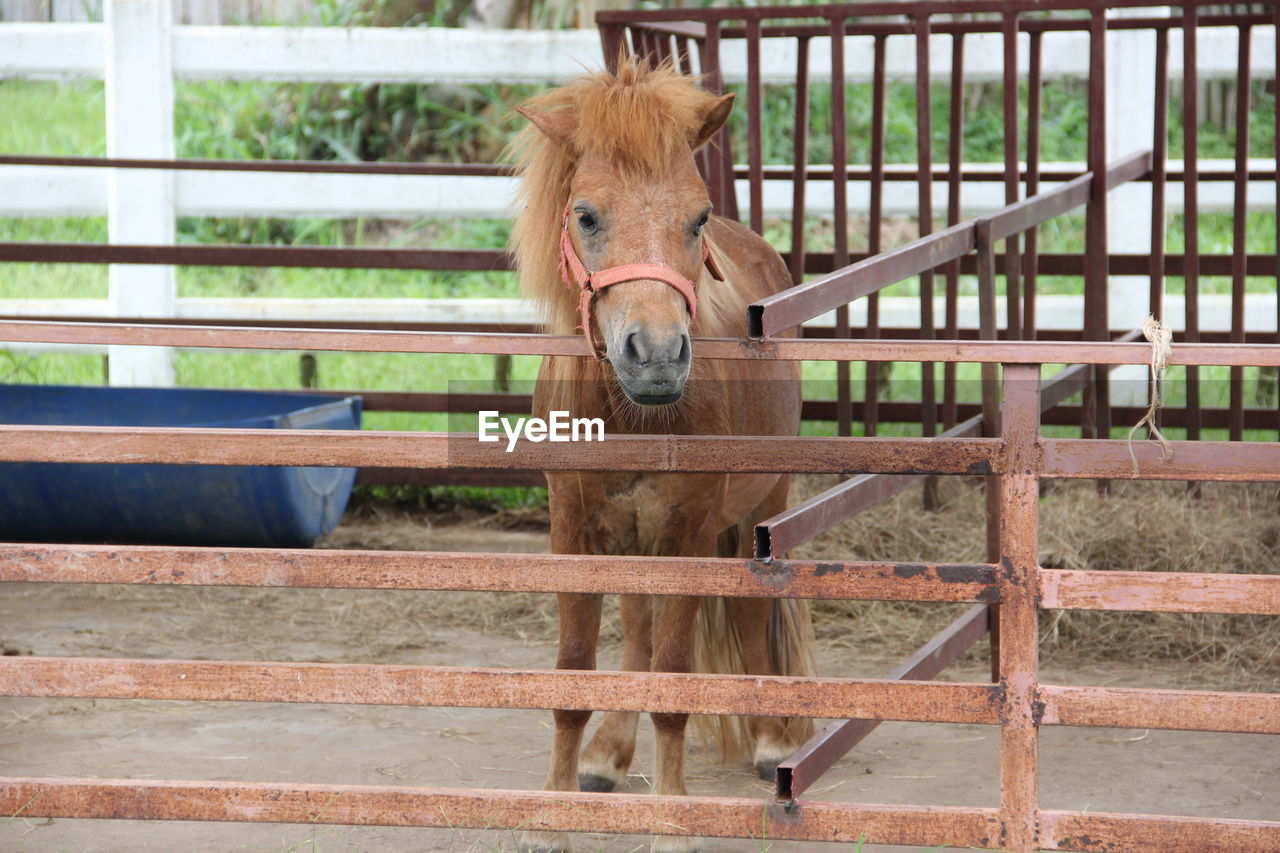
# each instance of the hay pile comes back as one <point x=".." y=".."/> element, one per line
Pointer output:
<point x="1140" y="526"/>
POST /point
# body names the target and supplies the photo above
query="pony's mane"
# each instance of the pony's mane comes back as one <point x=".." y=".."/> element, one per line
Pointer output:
<point x="638" y="118"/>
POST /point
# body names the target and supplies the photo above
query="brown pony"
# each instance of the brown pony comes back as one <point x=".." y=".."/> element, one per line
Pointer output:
<point x="608" y="161"/>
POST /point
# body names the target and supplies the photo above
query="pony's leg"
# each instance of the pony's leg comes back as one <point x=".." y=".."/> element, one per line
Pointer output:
<point x="579" y="630"/>
<point x="608" y="756"/>
<point x="672" y="652"/>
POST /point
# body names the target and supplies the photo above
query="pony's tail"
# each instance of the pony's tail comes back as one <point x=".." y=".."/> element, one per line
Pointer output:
<point x="718" y="648"/>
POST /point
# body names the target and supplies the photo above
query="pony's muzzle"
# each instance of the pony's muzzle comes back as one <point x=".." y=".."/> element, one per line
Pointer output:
<point x="652" y="366"/>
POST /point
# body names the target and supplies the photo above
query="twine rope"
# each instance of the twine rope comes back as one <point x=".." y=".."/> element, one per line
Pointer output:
<point x="1160" y="337"/>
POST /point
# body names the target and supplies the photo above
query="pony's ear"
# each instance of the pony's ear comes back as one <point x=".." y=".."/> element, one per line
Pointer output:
<point x="558" y="125"/>
<point x="713" y="118"/>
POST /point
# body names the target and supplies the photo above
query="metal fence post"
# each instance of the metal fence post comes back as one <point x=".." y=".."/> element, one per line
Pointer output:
<point x="1019" y="608"/>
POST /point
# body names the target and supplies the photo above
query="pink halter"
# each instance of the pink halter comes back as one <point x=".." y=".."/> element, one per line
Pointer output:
<point x="574" y="272"/>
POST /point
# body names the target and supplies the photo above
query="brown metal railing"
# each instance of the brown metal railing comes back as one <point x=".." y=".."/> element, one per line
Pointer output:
<point x="1018" y="703"/>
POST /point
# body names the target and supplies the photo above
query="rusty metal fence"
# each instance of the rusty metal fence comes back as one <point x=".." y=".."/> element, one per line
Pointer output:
<point x="1018" y="702"/>
<point x="1002" y="442"/>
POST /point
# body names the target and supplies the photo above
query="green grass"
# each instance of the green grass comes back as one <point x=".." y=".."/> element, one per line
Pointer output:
<point x="52" y="118"/>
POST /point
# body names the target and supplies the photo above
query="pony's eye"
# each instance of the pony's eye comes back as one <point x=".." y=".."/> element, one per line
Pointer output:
<point x="587" y="223"/>
<point x="702" y="223"/>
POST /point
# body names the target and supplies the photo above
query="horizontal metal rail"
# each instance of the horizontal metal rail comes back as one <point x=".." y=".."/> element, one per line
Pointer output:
<point x="1063" y="457"/>
<point x="499" y="260"/>
<point x="873" y="8"/>
<point x="238" y="255"/>
<point x="347" y="448"/>
<point x="1145" y="708"/>
<point x="1167" y="592"/>
<point x="493" y="343"/>
<point x="1231" y="461"/>
<point x="559" y="811"/>
<point x="319" y="568"/>
<point x="1091" y="831"/>
<point x="306" y="166"/>
<point x="556" y="811"/>
<point x="476" y="687"/>
<point x="604" y="690"/>
<point x="973" y="172"/>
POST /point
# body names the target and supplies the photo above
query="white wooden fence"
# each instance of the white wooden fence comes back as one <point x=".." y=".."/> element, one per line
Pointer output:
<point x="139" y="52"/>
<point x="185" y="11"/>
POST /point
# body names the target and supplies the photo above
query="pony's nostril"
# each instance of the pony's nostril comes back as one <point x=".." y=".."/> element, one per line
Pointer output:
<point x="634" y="350"/>
<point x="640" y="349"/>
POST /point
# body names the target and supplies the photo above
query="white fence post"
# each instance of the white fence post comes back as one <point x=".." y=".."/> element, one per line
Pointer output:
<point x="1131" y="63"/>
<point x="140" y="204"/>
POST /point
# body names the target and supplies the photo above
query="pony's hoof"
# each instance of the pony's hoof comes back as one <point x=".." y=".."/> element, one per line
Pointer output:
<point x="544" y="842"/>
<point x="595" y="783"/>
<point x="768" y="770"/>
<point x="768" y="756"/>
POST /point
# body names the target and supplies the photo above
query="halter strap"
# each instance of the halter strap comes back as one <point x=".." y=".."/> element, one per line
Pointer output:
<point x="574" y="272"/>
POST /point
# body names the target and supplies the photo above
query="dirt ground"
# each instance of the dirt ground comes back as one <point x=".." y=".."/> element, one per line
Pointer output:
<point x="1188" y="773"/>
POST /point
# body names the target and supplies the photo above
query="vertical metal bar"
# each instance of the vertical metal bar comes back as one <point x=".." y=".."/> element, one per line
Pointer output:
<point x="1275" y="17"/>
<point x="1012" y="185"/>
<point x="684" y="62"/>
<point x="987" y="331"/>
<point x="755" y="135"/>
<point x="1239" y="220"/>
<point x="871" y="410"/>
<point x="839" y="188"/>
<point x="955" y="158"/>
<point x="986" y="253"/>
<point x="1097" y="328"/>
<point x="657" y="51"/>
<point x="684" y="56"/>
<point x="1019" y="590"/>
<point x="642" y="39"/>
<point x="800" y="163"/>
<point x="1159" y="183"/>
<point x="1159" y="172"/>
<point x="1035" y="91"/>
<point x="613" y="41"/>
<point x="709" y="59"/>
<point x="709" y="156"/>
<point x="661" y="49"/>
<point x="924" y="158"/>
<point x="1191" y="213"/>
<point x="723" y="192"/>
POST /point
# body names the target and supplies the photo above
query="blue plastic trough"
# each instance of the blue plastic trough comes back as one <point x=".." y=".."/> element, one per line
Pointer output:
<point x="172" y="504"/>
